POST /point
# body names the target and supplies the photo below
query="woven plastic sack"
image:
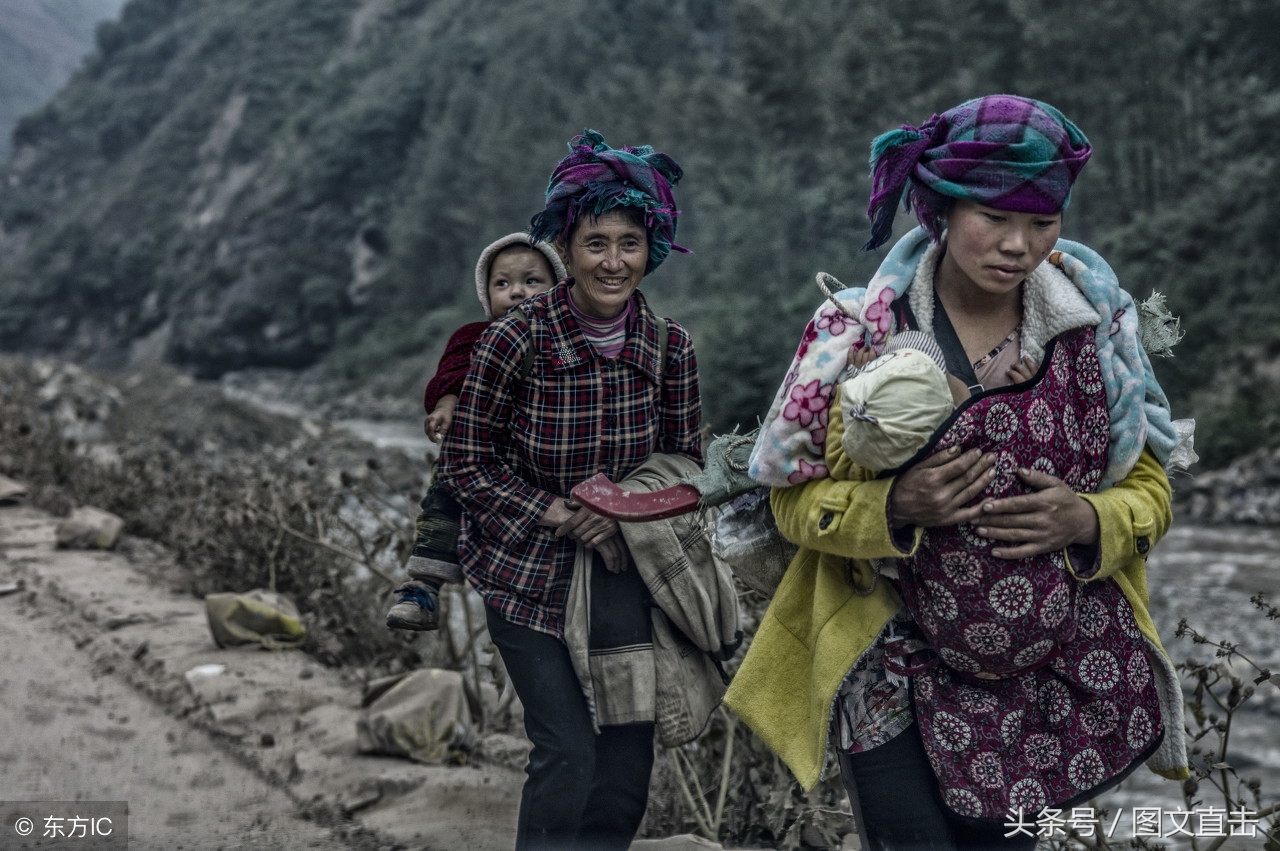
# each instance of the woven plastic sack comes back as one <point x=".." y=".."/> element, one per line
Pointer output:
<point x="746" y="538"/>
<point x="254" y="617"/>
<point x="422" y="715"/>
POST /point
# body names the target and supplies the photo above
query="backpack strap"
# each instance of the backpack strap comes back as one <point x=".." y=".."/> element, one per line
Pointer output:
<point x="952" y="349"/>
<point x="958" y="363"/>
<point x="526" y="366"/>
<point x="663" y="331"/>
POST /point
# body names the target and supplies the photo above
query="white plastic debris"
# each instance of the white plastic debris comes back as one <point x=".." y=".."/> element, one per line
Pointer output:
<point x="201" y="671"/>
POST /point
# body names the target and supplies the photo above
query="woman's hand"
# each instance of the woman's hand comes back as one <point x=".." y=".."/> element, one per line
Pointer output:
<point x="1051" y="518"/>
<point x="936" y="491"/>
<point x="615" y="554"/>
<point x="586" y="527"/>
<point x="591" y="530"/>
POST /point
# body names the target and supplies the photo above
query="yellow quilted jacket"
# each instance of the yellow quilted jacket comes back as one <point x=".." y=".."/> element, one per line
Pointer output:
<point x="816" y="627"/>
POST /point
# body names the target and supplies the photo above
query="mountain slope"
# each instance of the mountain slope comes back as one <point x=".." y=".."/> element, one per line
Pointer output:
<point x="236" y="178"/>
<point x="41" y="43"/>
<point x="306" y="183"/>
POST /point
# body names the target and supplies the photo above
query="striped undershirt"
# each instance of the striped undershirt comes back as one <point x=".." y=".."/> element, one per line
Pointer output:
<point x="608" y="336"/>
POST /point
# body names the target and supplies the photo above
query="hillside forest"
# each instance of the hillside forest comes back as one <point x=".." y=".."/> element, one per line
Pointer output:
<point x="41" y="44"/>
<point x="305" y="184"/>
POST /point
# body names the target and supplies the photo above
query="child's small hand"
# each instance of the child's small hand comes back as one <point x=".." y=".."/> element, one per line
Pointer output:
<point x="1023" y="370"/>
<point x="437" y="423"/>
<point x="858" y="358"/>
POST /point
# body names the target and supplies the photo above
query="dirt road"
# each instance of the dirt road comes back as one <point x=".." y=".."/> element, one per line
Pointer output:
<point x="95" y="705"/>
<point x="70" y="731"/>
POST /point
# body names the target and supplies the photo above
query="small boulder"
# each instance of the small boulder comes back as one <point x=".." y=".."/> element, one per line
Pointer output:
<point x="88" y="529"/>
<point x="11" y="492"/>
<point x="504" y="749"/>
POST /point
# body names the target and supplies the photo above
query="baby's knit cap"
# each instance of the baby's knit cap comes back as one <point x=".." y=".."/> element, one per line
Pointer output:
<point x="519" y="238"/>
<point x="894" y="404"/>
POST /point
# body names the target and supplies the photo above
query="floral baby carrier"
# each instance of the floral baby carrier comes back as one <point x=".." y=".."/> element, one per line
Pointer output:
<point x="1044" y="692"/>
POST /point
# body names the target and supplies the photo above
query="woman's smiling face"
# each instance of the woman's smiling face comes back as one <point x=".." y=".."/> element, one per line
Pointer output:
<point x="994" y="250"/>
<point x="606" y="256"/>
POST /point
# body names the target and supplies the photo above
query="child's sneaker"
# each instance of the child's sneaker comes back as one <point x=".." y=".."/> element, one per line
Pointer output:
<point x="418" y="608"/>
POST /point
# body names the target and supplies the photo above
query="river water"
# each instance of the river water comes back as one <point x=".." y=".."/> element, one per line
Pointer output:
<point x="1206" y="576"/>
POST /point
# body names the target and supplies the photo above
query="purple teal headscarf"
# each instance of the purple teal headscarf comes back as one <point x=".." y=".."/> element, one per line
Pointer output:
<point x="595" y="178"/>
<point x="1002" y="151"/>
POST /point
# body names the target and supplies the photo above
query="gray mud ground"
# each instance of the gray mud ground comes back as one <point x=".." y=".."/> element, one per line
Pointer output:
<point x="96" y="705"/>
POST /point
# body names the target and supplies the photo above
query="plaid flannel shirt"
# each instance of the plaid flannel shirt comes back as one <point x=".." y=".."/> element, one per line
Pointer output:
<point x="517" y="445"/>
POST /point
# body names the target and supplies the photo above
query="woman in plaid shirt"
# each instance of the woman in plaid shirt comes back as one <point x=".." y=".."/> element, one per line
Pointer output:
<point x="598" y="395"/>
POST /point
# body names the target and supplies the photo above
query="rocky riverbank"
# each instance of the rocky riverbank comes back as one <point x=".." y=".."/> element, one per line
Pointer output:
<point x="1245" y="492"/>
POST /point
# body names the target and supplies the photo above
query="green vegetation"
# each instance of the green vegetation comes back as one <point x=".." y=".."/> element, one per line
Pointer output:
<point x="233" y="494"/>
<point x="306" y="183"/>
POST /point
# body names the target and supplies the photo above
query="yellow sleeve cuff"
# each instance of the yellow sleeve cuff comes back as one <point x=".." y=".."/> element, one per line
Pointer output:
<point x="1133" y="515"/>
<point x="845" y="518"/>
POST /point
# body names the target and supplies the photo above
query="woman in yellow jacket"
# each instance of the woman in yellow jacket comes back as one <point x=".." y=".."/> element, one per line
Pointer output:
<point x="1065" y="468"/>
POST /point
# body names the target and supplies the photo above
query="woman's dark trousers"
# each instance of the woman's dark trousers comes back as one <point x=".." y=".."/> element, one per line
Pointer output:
<point x="901" y="806"/>
<point x="583" y="790"/>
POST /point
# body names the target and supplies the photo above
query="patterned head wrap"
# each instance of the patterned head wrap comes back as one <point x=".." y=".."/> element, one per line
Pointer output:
<point x="595" y="178"/>
<point x="1002" y="151"/>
